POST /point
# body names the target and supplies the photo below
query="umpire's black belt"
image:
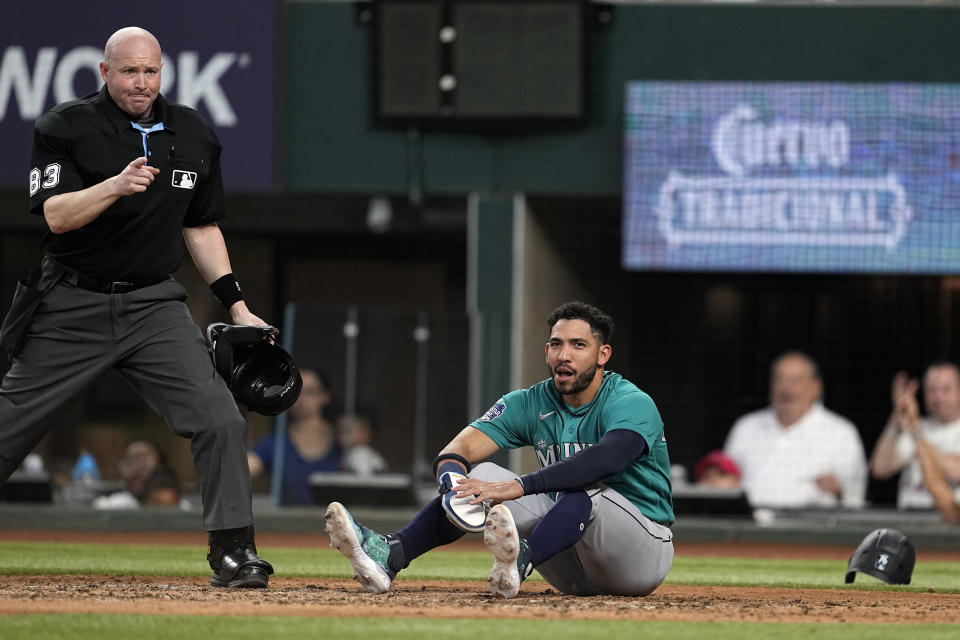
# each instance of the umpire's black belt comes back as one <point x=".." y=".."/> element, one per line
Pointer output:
<point x="90" y="284"/>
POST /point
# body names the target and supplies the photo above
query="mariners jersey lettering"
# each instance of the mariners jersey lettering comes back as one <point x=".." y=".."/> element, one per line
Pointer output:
<point x="538" y="417"/>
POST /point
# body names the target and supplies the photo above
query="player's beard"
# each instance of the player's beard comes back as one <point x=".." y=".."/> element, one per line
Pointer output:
<point x="579" y="383"/>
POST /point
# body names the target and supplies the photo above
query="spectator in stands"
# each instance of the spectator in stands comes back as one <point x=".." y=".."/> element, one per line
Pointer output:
<point x="311" y="442"/>
<point x="934" y="477"/>
<point x="32" y="466"/>
<point x="896" y="449"/>
<point x="163" y="490"/>
<point x="356" y="434"/>
<point x="144" y="470"/>
<point x="717" y="470"/>
<point x="139" y="460"/>
<point x="797" y="453"/>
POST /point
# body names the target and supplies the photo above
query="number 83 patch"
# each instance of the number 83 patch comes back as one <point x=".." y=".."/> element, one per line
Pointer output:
<point x="51" y="178"/>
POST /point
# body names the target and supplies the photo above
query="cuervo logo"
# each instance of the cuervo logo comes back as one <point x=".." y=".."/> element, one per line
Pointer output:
<point x="741" y="142"/>
<point x="782" y="185"/>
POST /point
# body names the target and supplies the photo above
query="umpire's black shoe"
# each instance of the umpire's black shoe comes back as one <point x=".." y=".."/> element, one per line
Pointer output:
<point x="232" y="555"/>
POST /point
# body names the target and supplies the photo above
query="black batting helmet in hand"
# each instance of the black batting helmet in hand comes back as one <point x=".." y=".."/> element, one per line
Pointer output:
<point x="885" y="554"/>
<point x="260" y="374"/>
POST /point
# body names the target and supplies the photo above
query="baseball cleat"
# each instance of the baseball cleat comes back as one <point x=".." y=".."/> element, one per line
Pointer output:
<point x="469" y="517"/>
<point x="500" y="536"/>
<point x="366" y="549"/>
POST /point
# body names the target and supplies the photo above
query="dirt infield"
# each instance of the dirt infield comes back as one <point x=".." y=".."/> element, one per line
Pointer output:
<point x="441" y="599"/>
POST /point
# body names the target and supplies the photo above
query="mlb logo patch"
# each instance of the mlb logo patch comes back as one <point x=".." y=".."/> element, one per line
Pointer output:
<point x="184" y="179"/>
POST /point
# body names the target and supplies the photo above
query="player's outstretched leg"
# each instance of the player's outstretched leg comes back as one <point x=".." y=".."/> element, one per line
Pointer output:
<point x="366" y="549"/>
<point x="510" y="554"/>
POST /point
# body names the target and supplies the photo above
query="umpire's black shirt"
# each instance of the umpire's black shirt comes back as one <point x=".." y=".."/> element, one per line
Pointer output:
<point x="138" y="238"/>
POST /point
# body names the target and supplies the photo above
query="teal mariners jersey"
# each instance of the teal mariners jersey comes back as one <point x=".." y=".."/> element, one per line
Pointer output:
<point x="539" y="417"/>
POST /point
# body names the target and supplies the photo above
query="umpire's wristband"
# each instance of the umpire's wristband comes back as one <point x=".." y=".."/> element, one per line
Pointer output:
<point x="227" y="290"/>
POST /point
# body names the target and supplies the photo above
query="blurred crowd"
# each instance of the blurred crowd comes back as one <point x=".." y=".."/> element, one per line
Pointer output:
<point x="316" y="442"/>
<point x="316" y="439"/>
<point x="797" y="453"/>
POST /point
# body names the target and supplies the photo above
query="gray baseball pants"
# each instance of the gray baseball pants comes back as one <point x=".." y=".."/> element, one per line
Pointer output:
<point x="622" y="551"/>
<point x="149" y="337"/>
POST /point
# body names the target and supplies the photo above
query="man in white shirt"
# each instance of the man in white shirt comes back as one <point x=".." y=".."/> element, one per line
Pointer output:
<point x="896" y="449"/>
<point x="934" y="477"/>
<point x="797" y="453"/>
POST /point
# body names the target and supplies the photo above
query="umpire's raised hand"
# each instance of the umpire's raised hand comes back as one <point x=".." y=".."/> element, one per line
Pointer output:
<point x="135" y="177"/>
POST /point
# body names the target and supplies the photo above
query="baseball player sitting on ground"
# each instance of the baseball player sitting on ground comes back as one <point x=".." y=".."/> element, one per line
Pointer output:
<point x="594" y="519"/>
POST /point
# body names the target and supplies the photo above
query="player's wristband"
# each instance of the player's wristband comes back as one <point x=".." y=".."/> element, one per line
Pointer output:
<point x="451" y="456"/>
<point x="227" y="290"/>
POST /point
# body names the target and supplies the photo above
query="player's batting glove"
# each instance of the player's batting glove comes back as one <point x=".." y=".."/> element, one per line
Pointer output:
<point x="469" y="517"/>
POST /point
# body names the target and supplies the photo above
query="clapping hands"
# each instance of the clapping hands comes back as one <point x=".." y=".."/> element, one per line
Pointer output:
<point x="903" y="394"/>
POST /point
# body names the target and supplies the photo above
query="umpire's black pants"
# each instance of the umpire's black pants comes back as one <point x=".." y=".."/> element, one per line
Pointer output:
<point x="149" y="337"/>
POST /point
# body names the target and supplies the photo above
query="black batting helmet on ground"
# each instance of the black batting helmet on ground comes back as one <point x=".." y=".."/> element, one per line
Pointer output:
<point x="885" y="554"/>
<point x="260" y="374"/>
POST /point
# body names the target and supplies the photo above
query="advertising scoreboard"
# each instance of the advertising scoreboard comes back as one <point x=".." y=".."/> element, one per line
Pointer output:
<point x="792" y="177"/>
